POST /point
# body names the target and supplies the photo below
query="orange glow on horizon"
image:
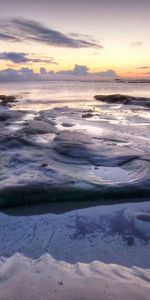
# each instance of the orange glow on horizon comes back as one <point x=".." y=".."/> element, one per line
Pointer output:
<point x="127" y="72"/>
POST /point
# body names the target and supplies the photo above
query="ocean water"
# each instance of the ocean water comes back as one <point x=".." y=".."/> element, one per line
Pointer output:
<point x="46" y="94"/>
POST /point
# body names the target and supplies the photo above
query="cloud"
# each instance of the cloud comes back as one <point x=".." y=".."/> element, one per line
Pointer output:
<point x="20" y="57"/>
<point x="27" y="30"/>
<point x="79" y="72"/>
<point x="136" y="44"/>
<point x="14" y="57"/>
<point x="43" y="70"/>
<point x="85" y="36"/>
<point x="146" y="73"/>
<point x="108" y="73"/>
<point x="144" y="67"/>
<point x="12" y="74"/>
<point x="7" y="37"/>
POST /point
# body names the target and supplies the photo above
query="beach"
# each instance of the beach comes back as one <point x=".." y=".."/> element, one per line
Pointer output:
<point x="75" y="191"/>
<point x="94" y="253"/>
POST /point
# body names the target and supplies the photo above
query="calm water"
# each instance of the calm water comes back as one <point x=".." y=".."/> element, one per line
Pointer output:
<point x="45" y="94"/>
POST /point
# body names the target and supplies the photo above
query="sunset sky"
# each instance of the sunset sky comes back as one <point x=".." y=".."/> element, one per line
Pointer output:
<point x="55" y="35"/>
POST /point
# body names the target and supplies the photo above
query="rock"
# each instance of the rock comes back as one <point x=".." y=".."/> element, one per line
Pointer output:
<point x="7" y="114"/>
<point x="7" y="99"/>
<point x="39" y="163"/>
<point x="116" y="98"/>
<point x="72" y="144"/>
<point x="142" y="223"/>
<point x="42" y="118"/>
<point x="4" y="117"/>
<point x="145" y="217"/>
<point x="44" y="165"/>
<point x="68" y="124"/>
<point x="78" y="147"/>
<point x="123" y="99"/>
<point x="88" y="115"/>
<point x="38" y="127"/>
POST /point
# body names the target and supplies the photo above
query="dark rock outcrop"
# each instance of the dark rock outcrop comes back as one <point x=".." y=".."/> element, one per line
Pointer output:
<point x="5" y="100"/>
<point x="123" y="99"/>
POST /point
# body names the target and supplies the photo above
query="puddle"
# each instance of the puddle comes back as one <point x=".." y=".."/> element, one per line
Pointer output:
<point x="112" y="173"/>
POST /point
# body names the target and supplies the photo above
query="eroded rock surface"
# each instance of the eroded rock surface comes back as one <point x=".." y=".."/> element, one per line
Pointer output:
<point x="106" y="156"/>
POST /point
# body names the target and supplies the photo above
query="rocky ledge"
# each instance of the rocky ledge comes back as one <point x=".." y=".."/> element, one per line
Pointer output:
<point x="124" y="99"/>
<point x="102" y="157"/>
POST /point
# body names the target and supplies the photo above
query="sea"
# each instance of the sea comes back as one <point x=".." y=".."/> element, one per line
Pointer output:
<point x="40" y="95"/>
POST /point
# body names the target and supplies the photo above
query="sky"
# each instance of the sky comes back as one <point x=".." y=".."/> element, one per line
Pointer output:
<point x="95" y="38"/>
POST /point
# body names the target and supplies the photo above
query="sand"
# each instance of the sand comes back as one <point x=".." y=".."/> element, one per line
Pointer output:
<point x="47" y="279"/>
<point x="94" y="253"/>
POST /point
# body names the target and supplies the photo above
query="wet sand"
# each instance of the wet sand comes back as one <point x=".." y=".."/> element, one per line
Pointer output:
<point x="94" y="253"/>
